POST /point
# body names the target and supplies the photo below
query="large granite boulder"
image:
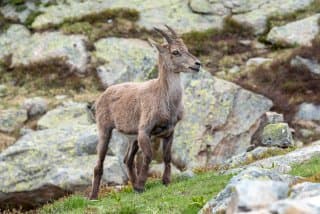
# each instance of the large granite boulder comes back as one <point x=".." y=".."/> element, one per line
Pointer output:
<point x="43" y="48"/>
<point x="47" y="164"/>
<point x="125" y="59"/>
<point x="220" y="119"/>
<point x="152" y="13"/>
<point x="300" y="32"/>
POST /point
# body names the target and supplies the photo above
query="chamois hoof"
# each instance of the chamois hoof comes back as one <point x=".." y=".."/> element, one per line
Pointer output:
<point x="138" y="190"/>
<point x="165" y="182"/>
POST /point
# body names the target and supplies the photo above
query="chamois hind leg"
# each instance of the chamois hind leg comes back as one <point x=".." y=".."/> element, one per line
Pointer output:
<point x="166" y="150"/>
<point x="145" y="146"/>
<point x="129" y="160"/>
<point x="102" y="148"/>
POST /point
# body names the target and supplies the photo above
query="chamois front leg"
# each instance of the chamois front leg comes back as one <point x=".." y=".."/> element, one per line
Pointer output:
<point x="145" y="146"/>
<point x="129" y="161"/>
<point x="166" y="150"/>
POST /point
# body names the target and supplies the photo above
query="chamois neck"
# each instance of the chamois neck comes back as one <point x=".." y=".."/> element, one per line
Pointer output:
<point x="169" y="81"/>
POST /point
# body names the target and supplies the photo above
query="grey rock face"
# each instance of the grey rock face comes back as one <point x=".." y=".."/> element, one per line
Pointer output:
<point x="278" y="134"/>
<point x="308" y="111"/>
<point x="311" y="65"/>
<point x="215" y="112"/>
<point x="283" y="163"/>
<point x="258" y="61"/>
<point x="254" y="194"/>
<point x="300" y="32"/>
<point x="152" y="13"/>
<point x="12" y="119"/>
<point x="47" y="164"/>
<point x="235" y="197"/>
<point x="35" y="106"/>
<point x="27" y="49"/>
<point x="249" y="157"/>
<point x="66" y="115"/>
<point x="126" y="60"/>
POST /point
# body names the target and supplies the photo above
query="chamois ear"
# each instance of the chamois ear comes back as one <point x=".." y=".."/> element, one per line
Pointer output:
<point x="154" y="44"/>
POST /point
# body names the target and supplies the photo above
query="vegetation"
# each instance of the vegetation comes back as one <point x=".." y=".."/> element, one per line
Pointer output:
<point x="310" y="170"/>
<point x="182" y="196"/>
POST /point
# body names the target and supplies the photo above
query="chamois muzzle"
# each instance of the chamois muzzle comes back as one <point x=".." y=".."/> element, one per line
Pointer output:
<point x="196" y="67"/>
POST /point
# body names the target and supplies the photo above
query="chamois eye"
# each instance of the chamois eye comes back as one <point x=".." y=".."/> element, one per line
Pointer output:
<point x="175" y="52"/>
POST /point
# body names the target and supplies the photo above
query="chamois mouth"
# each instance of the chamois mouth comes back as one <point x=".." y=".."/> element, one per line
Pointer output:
<point x="194" y="69"/>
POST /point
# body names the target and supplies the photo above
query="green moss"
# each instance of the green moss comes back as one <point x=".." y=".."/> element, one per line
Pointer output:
<point x="126" y="13"/>
<point x="16" y="2"/>
<point x="32" y="16"/>
<point x="182" y="196"/>
<point x="308" y="169"/>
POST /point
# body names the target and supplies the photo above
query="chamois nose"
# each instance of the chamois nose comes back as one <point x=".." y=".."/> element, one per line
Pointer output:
<point x="198" y="63"/>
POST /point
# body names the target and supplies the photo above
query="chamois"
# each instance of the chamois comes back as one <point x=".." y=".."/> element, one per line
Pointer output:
<point x="146" y="109"/>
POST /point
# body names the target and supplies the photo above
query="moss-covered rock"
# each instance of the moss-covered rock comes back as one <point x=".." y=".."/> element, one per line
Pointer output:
<point x="220" y="119"/>
<point x="278" y="134"/>
<point x="44" y="165"/>
<point x="27" y="50"/>
<point x="152" y="13"/>
<point x="12" y="119"/>
<point x="300" y="32"/>
<point x="125" y="60"/>
<point x="66" y="115"/>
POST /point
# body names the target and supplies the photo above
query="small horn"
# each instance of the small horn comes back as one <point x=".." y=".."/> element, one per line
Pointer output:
<point x="174" y="34"/>
<point x="164" y="34"/>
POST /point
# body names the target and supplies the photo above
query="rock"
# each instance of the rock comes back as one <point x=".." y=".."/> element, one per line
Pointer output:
<point x="234" y="70"/>
<point x="311" y="65"/>
<point x="255" y="13"/>
<point x="246" y="191"/>
<point x="152" y="14"/>
<point x="12" y="119"/>
<point x="278" y="134"/>
<point x="66" y="115"/>
<point x="48" y="164"/>
<point x="300" y="32"/>
<point x="35" y="106"/>
<point x="308" y="111"/>
<point x="257" y="61"/>
<point x="44" y="48"/>
<point x="275" y="186"/>
<point x="251" y="156"/>
<point x="283" y="163"/>
<point x="5" y="141"/>
<point x="126" y="59"/>
<point x="220" y="119"/>
<point x="304" y="198"/>
<point x="3" y="90"/>
<point x="266" y="119"/>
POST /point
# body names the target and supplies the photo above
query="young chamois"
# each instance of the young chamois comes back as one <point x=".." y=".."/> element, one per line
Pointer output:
<point x="151" y="108"/>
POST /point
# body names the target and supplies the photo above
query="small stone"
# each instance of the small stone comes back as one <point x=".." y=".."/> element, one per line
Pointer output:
<point x="35" y="106"/>
<point x="277" y="134"/>
<point x="234" y="70"/>
<point x="257" y="61"/>
<point x="312" y="66"/>
<point x="12" y="119"/>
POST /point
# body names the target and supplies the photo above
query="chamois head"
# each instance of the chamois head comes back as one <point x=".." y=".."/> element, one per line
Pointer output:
<point x="175" y="53"/>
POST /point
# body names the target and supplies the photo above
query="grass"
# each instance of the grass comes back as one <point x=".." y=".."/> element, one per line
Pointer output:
<point x="309" y="169"/>
<point x="181" y="196"/>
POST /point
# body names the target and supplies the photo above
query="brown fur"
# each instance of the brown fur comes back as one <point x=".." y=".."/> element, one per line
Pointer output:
<point x="151" y="108"/>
